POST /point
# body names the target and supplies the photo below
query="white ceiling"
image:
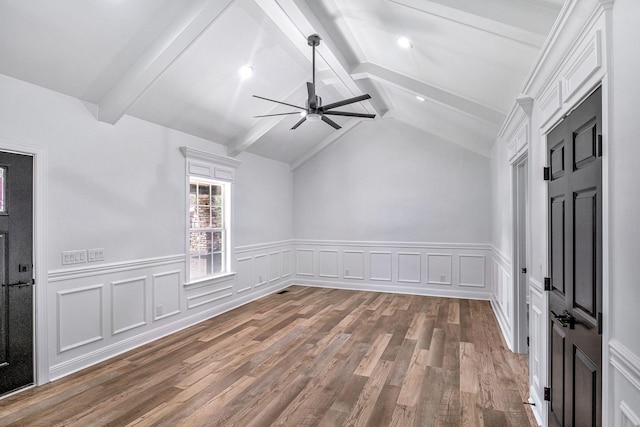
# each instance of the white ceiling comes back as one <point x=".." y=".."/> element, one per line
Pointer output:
<point x="176" y="62"/>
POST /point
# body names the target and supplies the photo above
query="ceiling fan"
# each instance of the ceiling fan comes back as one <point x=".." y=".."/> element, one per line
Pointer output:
<point x="314" y="110"/>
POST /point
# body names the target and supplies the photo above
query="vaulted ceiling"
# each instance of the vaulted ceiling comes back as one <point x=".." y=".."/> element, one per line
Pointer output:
<point x="177" y="62"/>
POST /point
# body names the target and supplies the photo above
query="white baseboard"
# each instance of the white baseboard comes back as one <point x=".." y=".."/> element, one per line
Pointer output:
<point x="502" y="323"/>
<point x="406" y="290"/>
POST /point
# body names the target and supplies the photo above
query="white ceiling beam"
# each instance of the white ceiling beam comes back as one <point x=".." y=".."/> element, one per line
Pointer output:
<point x="451" y="100"/>
<point x="164" y="51"/>
<point x="255" y="132"/>
<point x="297" y="21"/>
<point x="327" y="141"/>
<point x="497" y="28"/>
<point x="473" y="145"/>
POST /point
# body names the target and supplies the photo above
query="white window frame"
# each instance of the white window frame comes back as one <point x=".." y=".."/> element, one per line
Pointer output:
<point x="215" y="169"/>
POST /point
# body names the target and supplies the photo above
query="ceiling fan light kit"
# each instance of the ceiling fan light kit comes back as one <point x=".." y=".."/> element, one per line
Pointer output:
<point x="314" y="111"/>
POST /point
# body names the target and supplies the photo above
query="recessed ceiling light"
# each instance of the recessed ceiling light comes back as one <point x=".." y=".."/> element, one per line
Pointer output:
<point x="246" y="71"/>
<point x="404" y="43"/>
<point x="419" y="98"/>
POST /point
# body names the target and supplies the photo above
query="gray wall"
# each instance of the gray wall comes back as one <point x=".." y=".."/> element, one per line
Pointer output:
<point x="386" y="181"/>
<point x="122" y="187"/>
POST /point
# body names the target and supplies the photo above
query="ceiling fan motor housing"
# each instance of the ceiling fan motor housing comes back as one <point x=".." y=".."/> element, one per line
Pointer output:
<point x="313" y="40"/>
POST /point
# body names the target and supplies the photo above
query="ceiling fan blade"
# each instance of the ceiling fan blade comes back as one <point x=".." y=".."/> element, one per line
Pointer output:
<point x="346" y="113"/>
<point x="278" y="114"/>
<point x="331" y="122"/>
<point x="311" y="93"/>
<point x="279" y="102"/>
<point x="302" y="120"/>
<point x="345" y="102"/>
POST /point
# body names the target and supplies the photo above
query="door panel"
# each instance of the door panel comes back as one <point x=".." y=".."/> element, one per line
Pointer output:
<point x="557" y="243"/>
<point x="557" y="370"/>
<point x="16" y="271"/>
<point x="575" y="299"/>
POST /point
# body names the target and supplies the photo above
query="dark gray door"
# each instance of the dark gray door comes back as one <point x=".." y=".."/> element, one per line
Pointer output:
<point x="16" y="271"/>
<point x="575" y="298"/>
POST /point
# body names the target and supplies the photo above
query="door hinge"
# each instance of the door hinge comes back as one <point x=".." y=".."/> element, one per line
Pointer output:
<point x="547" y="394"/>
<point x="599" y="323"/>
<point x="546" y="173"/>
<point x="547" y="283"/>
<point x="527" y="341"/>
<point x="599" y="146"/>
<point x="524" y="270"/>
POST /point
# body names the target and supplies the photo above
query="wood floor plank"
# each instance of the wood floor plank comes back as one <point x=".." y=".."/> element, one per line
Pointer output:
<point x="372" y="358"/>
<point x="307" y="357"/>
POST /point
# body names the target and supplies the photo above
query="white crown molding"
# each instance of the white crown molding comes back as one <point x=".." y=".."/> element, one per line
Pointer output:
<point x="193" y="153"/>
<point x="525" y="102"/>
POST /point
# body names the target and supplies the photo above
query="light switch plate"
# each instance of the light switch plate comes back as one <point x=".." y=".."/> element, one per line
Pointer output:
<point x="74" y="257"/>
<point x="96" y="255"/>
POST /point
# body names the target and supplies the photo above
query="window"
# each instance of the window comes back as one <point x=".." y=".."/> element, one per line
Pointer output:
<point x="207" y="228"/>
<point x="3" y="204"/>
<point x="209" y="216"/>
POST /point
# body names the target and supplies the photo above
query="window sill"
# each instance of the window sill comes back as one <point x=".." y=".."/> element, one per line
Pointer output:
<point x="211" y="280"/>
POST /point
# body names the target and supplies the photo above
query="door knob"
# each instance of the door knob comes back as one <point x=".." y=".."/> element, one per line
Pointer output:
<point x="565" y="319"/>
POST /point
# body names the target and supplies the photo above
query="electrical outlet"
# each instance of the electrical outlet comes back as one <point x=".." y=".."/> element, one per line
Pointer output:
<point x="95" y="255"/>
<point x="158" y="310"/>
<point x="260" y="279"/>
<point x="346" y="272"/>
<point x="74" y="257"/>
<point x="443" y="278"/>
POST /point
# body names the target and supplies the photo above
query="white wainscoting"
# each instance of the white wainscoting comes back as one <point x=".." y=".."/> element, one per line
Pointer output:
<point x="502" y="294"/>
<point x="436" y="269"/>
<point x="626" y="380"/>
<point x="106" y="309"/>
<point x="538" y="324"/>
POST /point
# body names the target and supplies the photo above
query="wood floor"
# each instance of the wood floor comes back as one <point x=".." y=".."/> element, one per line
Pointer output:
<point x="307" y="357"/>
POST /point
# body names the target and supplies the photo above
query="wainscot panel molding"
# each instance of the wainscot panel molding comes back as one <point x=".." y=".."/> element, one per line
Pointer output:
<point x="328" y="263"/>
<point x="626" y="362"/>
<point x="502" y="294"/>
<point x="128" y="300"/>
<point x="104" y="310"/>
<point x="627" y="384"/>
<point x="628" y="417"/>
<point x="538" y="319"/>
<point x="82" y="323"/>
<point x="420" y="268"/>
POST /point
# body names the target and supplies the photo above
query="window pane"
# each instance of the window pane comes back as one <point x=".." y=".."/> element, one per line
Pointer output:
<point x="2" y="188"/>
<point x="205" y="265"/>
<point x="216" y="195"/>
<point x="216" y="218"/>
<point x="201" y="242"/>
<point x="203" y="194"/>
<point x="199" y="266"/>
<point x="217" y="242"/>
<point x="203" y="219"/>
<point x="217" y="263"/>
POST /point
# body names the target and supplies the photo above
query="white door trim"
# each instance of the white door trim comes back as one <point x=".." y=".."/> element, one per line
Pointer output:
<point x="40" y="160"/>
<point x="520" y="254"/>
